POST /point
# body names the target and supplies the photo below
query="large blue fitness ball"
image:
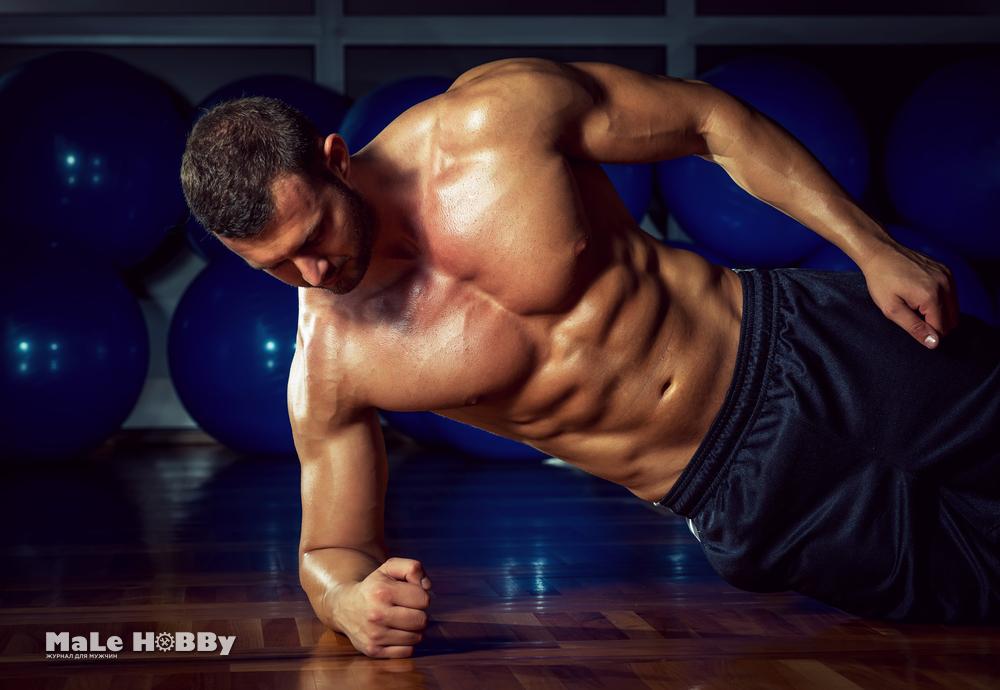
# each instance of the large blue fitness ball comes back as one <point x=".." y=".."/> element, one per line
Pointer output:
<point x="324" y="107"/>
<point x="716" y="213"/>
<point x="91" y="152"/>
<point x="434" y="431"/>
<point x="371" y="113"/>
<point x="230" y="347"/>
<point x="634" y="184"/>
<point x="942" y="160"/>
<point x="75" y="354"/>
<point x="973" y="296"/>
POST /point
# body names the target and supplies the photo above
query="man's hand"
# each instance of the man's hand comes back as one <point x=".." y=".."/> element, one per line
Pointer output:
<point x="383" y="615"/>
<point x="901" y="280"/>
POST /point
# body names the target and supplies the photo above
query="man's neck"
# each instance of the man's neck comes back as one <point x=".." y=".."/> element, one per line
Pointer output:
<point x="393" y="197"/>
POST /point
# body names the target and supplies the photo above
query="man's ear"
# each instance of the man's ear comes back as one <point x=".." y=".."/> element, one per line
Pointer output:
<point x="335" y="154"/>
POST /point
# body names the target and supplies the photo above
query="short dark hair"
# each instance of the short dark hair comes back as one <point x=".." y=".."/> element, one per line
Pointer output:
<point x="233" y="155"/>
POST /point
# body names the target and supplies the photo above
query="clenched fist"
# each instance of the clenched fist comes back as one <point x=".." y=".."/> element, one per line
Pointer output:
<point x="384" y="614"/>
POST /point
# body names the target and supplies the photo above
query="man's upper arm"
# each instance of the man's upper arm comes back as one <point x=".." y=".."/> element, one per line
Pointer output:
<point x="602" y="112"/>
<point x="343" y="466"/>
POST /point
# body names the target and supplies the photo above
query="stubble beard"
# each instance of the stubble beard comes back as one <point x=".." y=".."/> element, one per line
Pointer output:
<point x="361" y="221"/>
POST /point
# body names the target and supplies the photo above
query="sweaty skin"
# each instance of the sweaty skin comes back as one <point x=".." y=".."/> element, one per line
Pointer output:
<point x="504" y="285"/>
<point x="512" y="290"/>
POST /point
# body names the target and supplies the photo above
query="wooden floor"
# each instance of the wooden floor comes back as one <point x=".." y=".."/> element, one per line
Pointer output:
<point x="544" y="577"/>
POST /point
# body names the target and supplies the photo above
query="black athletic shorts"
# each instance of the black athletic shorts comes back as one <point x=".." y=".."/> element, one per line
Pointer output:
<point x="849" y="462"/>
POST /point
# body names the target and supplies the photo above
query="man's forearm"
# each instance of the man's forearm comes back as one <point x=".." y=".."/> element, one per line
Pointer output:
<point x="769" y="163"/>
<point x="325" y="575"/>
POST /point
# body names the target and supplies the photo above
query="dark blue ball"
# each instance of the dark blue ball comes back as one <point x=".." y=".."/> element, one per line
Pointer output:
<point x="716" y="213"/>
<point x="324" y="107"/>
<point x="942" y="161"/>
<point x="634" y="184"/>
<point x="432" y="430"/>
<point x="75" y="354"/>
<point x="230" y="347"/>
<point x="91" y="153"/>
<point x="371" y="113"/>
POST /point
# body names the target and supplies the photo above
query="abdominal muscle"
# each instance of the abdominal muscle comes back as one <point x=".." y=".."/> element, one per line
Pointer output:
<point x="629" y="393"/>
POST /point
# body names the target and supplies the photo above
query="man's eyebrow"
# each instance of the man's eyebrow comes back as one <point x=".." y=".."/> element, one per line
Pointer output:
<point x="271" y="266"/>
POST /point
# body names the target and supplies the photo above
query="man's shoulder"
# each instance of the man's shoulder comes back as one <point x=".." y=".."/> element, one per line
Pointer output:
<point x="494" y="100"/>
<point x="323" y="373"/>
<point x="517" y="69"/>
<point x="527" y="100"/>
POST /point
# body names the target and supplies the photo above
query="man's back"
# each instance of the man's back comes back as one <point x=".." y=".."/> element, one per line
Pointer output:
<point x="527" y="302"/>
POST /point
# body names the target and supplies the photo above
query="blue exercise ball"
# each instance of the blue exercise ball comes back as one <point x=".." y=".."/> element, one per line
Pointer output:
<point x="942" y="158"/>
<point x="230" y="347"/>
<point x="371" y="113"/>
<point x="715" y="212"/>
<point x="75" y="354"/>
<point x="323" y="106"/>
<point x="973" y="297"/>
<point x="91" y="152"/>
<point x="634" y="184"/>
<point x="432" y="430"/>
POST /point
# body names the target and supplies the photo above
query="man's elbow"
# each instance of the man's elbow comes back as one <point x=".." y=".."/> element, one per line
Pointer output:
<point x="724" y="126"/>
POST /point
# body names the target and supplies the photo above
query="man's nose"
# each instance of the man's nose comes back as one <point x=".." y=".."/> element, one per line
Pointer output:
<point x="313" y="270"/>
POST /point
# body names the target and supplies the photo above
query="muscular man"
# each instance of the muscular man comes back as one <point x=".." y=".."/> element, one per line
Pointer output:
<point x="474" y="260"/>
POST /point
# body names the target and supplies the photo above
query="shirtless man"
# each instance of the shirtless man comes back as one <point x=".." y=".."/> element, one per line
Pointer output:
<point x="474" y="260"/>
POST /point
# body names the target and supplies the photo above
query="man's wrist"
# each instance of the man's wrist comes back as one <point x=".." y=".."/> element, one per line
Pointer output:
<point x="870" y="244"/>
<point x="853" y="231"/>
<point x="332" y="604"/>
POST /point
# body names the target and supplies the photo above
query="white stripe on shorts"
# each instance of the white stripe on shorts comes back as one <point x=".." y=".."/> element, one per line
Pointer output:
<point x="694" y="531"/>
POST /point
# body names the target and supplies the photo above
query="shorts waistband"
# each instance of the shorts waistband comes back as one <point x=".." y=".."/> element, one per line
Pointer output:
<point x="752" y="359"/>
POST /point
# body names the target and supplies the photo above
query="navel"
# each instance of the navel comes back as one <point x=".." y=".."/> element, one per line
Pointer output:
<point x="665" y="387"/>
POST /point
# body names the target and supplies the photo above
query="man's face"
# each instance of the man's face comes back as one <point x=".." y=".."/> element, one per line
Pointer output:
<point x="321" y="235"/>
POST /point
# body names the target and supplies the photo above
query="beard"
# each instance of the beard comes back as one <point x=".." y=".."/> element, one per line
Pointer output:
<point x="361" y="225"/>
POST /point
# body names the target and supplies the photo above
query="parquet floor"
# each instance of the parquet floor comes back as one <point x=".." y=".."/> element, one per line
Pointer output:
<point x="544" y="578"/>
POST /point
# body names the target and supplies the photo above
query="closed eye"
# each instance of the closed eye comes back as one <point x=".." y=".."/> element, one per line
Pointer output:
<point x="315" y="237"/>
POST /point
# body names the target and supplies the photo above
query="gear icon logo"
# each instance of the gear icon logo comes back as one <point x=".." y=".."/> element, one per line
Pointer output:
<point x="164" y="642"/>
